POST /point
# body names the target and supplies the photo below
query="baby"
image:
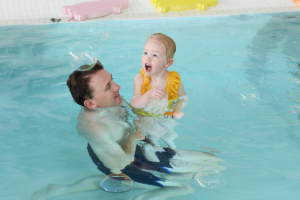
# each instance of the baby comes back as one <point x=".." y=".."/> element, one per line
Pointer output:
<point x="158" y="94"/>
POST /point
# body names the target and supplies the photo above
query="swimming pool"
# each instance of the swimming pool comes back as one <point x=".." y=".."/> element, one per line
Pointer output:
<point x="241" y="75"/>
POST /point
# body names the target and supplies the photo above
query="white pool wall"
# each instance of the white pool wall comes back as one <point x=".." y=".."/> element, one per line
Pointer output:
<point x="21" y="12"/>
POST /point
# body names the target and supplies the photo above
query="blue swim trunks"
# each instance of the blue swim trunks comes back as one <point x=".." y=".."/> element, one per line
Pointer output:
<point x="135" y="169"/>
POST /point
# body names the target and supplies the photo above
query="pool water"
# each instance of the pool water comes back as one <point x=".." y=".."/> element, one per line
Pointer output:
<point x="240" y="73"/>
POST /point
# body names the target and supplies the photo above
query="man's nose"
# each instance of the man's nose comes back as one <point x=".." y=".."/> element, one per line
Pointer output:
<point x="117" y="87"/>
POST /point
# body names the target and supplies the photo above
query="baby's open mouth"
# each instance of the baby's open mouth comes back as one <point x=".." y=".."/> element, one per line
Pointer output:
<point x="148" y="68"/>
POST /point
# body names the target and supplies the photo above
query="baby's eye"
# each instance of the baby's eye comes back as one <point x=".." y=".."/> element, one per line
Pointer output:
<point x="154" y="55"/>
<point x="145" y="53"/>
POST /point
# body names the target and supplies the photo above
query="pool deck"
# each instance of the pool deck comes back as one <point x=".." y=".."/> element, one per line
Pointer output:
<point x="29" y="12"/>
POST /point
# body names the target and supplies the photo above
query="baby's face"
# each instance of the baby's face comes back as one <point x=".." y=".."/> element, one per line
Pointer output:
<point x="154" y="59"/>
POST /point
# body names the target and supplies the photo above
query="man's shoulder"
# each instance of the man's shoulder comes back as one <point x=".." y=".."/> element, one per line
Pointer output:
<point x="124" y="102"/>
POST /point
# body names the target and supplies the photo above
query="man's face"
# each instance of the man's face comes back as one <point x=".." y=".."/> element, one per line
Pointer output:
<point x="106" y="91"/>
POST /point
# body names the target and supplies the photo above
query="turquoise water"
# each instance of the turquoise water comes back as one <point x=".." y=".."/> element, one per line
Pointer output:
<point x="241" y="75"/>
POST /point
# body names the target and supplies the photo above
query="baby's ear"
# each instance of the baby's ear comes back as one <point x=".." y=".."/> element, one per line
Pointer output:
<point x="169" y="63"/>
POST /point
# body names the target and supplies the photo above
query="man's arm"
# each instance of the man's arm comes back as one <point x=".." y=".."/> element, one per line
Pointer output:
<point x="113" y="155"/>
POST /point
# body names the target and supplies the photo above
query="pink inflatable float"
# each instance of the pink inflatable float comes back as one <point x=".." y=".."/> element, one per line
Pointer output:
<point x="94" y="9"/>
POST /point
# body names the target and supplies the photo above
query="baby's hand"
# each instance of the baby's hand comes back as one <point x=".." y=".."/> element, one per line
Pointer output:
<point x="158" y="93"/>
<point x="177" y="114"/>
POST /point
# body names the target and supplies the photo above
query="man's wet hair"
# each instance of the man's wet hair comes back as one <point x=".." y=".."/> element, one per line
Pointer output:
<point x="78" y="83"/>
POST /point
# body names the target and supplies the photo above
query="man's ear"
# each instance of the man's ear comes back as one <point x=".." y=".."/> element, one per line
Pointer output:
<point x="169" y="63"/>
<point x="89" y="104"/>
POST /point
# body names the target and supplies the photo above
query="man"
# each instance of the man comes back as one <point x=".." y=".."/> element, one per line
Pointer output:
<point x="103" y="122"/>
<point x="113" y="143"/>
<point x="109" y="137"/>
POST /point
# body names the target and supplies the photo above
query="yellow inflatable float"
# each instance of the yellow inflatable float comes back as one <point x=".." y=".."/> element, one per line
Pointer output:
<point x="181" y="5"/>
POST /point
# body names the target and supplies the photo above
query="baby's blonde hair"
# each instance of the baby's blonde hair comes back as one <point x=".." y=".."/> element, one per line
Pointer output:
<point x="167" y="41"/>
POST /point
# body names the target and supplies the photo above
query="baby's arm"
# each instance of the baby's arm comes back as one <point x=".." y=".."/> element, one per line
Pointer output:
<point x="140" y="101"/>
<point x="182" y="99"/>
<point x="181" y="102"/>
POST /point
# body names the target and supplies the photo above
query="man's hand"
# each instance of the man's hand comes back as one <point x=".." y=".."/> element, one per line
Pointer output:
<point x="142" y="125"/>
<point x="139" y="135"/>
